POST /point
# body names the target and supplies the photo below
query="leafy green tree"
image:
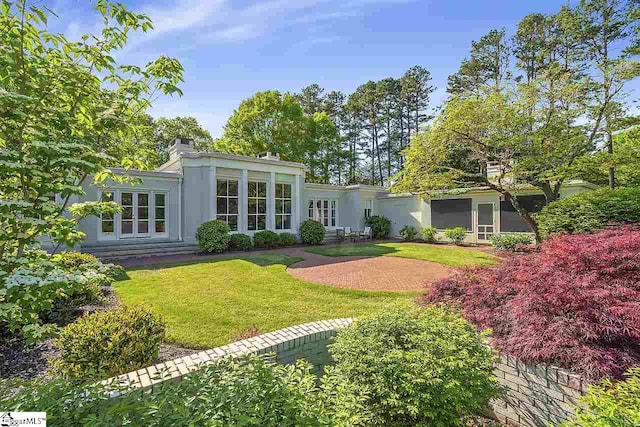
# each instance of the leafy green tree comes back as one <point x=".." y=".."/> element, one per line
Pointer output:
<point x="167" y="129"/>
<point x="268" y="121"/>
<point x="62" y="104"/>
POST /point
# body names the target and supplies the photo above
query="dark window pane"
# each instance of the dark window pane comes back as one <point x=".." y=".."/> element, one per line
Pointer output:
<point x="222" y="205"/>
<point x="262" y="206"/>
<point x="233" y="222"/>
<point x="127" y="199"/>
<point x="160" y="199"/>
<point x="222" y="218"/>
<point x="252" y="222"/>
<point x="159" y="213"/>
<point x="449" y="213"/>
<point x="279" y="205"/>
<point x="107" y="216"/>
<point x="222" y="187"/>
<point x="333" y="222"/>
<point x="485" y="213"/>
<point x="106" y="197"/>
<point x="159" y="226"/>
<point x="326" y="222"/>
<point x="233" y="205"/>
<point x="262" y="222"/>
<point x="233" y="188"/>
<point x="287" y="190"/>
<point x="326" y="204"/>
<point x="143" y="226"/>
<point x="143" y="199"/>
<point x="278" y="222"/>
<point x="510" y="219"/>
<point x="143" y="213"/>
<point x="279" y="193"/>
<point x="107" y="226"/>
<point x="262" y="189"/>
<point x="287" y="206"/>
<point x="310" y="204"/>
<point x="127" y="212"/>
<point x="286" y="219"/>
<point x="253" y="189"/>
<point x="127" y="227"/>
<point x="253" y="204"/>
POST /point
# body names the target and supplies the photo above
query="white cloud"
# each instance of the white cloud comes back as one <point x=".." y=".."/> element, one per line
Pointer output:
<point x="235" y="33"/>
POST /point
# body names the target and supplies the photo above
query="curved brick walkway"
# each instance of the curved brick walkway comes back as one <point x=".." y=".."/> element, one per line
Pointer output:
<point x="382" y="273"/>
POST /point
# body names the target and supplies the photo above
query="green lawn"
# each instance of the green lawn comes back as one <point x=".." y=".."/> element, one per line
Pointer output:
<point x="447" y="255"/>
<point x="205" y="304"/>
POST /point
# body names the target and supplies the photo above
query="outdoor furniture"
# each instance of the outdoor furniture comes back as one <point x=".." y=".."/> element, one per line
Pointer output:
<point x="340" y="234"/>
<point x="366" y="234"/>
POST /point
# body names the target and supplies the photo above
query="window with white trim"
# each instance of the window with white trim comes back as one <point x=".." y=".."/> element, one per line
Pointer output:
<point x="283" y="206"/>
<point x="160" y="218"/>
<point x="368" y="208"/>
<point x="227" y="202"/>
<point x="107" y="220"/>
<point x="257" y="206"/>
<point x="323" y="211"/>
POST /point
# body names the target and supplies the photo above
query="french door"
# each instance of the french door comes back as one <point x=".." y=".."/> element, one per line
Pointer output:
<point x="485" y="221"/>
<point x="134" y="220"/>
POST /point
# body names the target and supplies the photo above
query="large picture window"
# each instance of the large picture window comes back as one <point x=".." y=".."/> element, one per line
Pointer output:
<point x="449" y="213"/>
<point x="283" y="206"/>
<point x="324" y="211"/>
<point x="227" y="202"/>
<point x="257" y="202"/>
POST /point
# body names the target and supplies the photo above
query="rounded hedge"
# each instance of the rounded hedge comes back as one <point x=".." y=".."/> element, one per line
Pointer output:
<point x="456" y="235"/>
<point x="240" y="242"/>
<point x="311" y="232"/>
<point x="416" y="367"/>
<point x="109" y="343"/>
<point x="213" y="236"/>
<point x="380" y="226"/>
<point x="590" y="211"/>
<point x="287" y="239"/>
<point x="266" y="239"/>
<point x="510" y="241"/>
<point x="429" y="234"/>
<point x="408" y="233"/>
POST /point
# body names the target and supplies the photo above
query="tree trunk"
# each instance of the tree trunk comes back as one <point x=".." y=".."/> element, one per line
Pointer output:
<point x="612" y="169"/>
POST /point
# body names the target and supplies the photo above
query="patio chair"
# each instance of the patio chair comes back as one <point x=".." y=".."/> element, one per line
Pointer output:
<point x="340" y="234"/>
<point x="348" y="234"/>
<point x="366" y="234"/>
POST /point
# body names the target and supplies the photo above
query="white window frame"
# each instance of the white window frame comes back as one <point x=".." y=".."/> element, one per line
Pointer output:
<point x="318" y="215"/>
<point x="279" y="215"/>
<point x="257" y="198"/>
<point x="368" y="206"/>
<point x="237" y="197"/>
<point x="116" y="195"/>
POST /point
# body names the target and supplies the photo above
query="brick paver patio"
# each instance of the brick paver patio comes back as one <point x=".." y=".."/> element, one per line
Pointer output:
<point x="382" y="273"/>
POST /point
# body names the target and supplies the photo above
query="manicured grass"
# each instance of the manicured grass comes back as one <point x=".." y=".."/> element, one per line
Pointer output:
<point x="205" y="304"/>
<point x="447" y="255"/>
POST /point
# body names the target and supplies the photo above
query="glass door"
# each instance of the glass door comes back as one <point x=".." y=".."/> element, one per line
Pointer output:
<point x="485" y="221"/>
<point x="126" y="217"/>
<point x="142" y="214"/>
<point x="134" y="219"/>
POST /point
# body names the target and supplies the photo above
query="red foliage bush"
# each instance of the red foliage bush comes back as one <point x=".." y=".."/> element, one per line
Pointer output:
<point x="574" y="303"/>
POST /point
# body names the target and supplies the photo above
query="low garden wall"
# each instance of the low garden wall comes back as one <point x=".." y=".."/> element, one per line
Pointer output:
<point x="537" y="395"/>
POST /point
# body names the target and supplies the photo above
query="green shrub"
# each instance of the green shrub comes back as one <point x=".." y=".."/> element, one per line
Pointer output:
<point x="456" y="234"/>
<point x="610" y="404"/>
<point x="593" y="210"/>
<point x="240" y="242"/>
<point x="510" y="241"/>
<point x="91" y="291"/>
<point x="418" y="367"/>
<point x="213" y="236"/>
<point x="266" y="239"/>
<point x="408" y="233"/>
<point x="311" y="232"/>
<point x="109" y="343"/>
<point x="71" y="261"/>
<point x="288" y="239"/>
<point x="244" y="392"/>
<point x="429" y="234"/>
<point x="380" y="226"/>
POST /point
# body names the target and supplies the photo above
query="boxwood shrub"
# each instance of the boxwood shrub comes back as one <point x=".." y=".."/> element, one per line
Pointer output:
<point x="311" y="232"/>
<point x="573" y="303"/>
<point x="380" y="226"/>
<point x="593" y="210"/>
<point x="266" y="239"/>
<point x="213" y="236"/>
<point x="408" y="233"/>
<point x="456" y="235"/>
<point x="287" y="239"/>
<point x="510" y="241"/>
<point x="416" y="367"/>
<point x="429" y="234"/>
<point x="109" y="343"/>
<point x="240" y="242"/>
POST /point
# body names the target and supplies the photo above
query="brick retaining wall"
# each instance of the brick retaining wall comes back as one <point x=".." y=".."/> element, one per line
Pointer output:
<point x="536" y="395"/>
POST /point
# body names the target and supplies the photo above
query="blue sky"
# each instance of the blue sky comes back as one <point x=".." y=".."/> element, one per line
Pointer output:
<point x="231" y="49"/>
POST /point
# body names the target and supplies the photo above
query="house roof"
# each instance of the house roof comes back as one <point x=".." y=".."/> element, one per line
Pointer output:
<point x="226" y="156"/>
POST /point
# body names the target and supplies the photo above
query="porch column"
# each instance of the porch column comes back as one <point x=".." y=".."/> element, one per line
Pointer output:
<point x="297" y="204"/>
<point x="271" y="203"/>
<point x="213" y="193"/>
<point x="244" y="203"/>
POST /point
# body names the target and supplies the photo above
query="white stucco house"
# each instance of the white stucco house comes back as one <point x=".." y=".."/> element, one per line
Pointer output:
<point x="162" y="213"/>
